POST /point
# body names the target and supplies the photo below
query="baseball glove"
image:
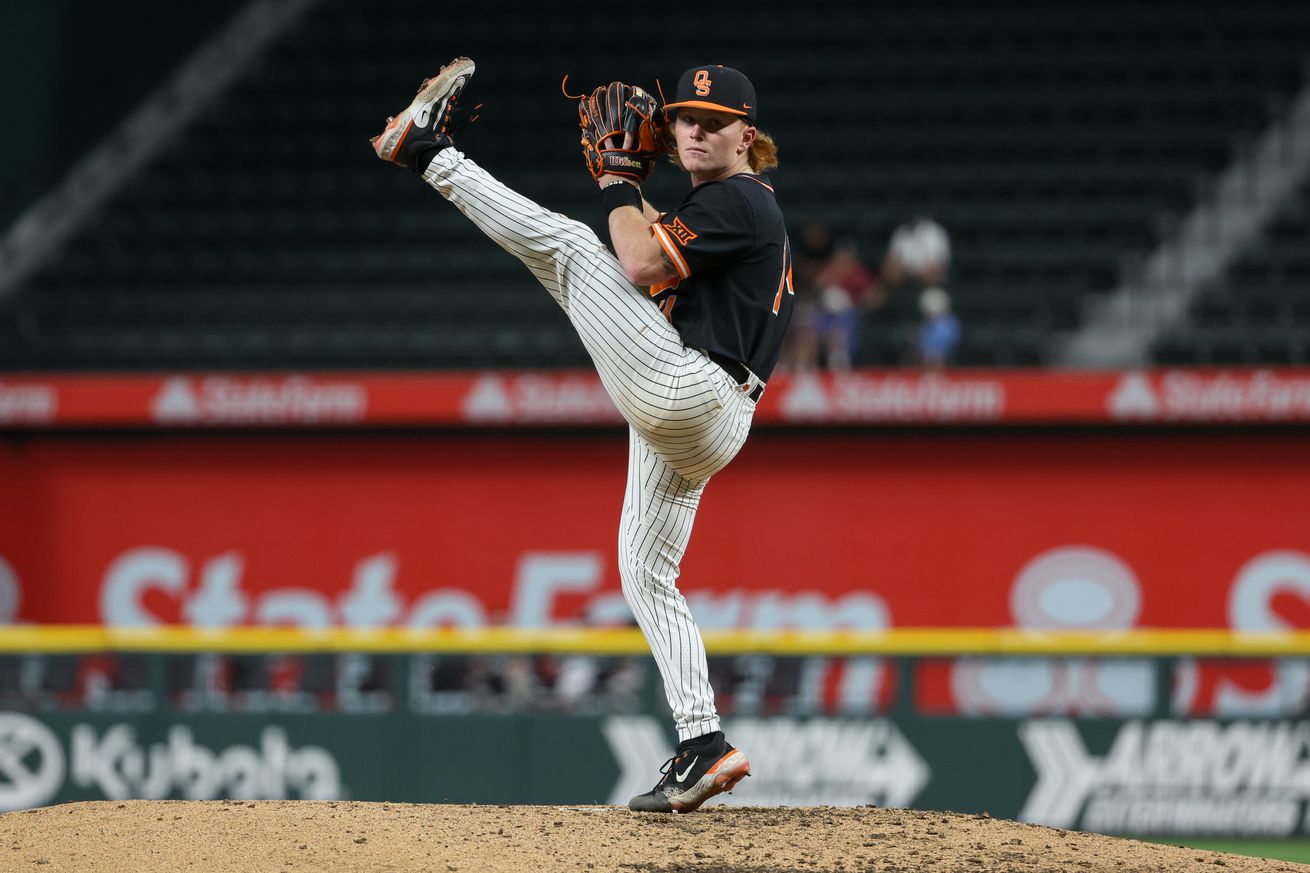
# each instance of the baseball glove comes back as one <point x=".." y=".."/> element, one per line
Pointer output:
<point x="605" y="116"/>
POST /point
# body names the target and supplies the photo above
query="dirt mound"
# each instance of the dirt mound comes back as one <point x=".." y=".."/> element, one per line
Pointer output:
<point x="343" y="836"/>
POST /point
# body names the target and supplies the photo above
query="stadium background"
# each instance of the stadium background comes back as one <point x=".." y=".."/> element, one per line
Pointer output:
<point x="252" y="379"/>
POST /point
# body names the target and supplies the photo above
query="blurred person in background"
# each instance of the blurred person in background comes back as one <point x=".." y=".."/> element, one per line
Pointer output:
<point x="939" y="331"/>
<point x="918" y="255"/>
<point x="834" y="287"/>
<point x="576" y="680"/>
<point x="847" y="288"/>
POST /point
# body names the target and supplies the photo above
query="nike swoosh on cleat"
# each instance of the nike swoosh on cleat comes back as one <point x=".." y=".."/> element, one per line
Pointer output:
<point x="421" y="117"/>
<point x="683" y="775"/>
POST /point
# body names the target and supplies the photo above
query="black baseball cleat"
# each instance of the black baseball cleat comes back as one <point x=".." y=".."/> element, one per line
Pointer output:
<point x="427" y="123"/>
<point x="703" y="767"/>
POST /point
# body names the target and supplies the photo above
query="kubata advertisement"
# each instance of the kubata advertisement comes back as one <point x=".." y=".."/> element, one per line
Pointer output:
<point x="1137" y="776"/>
<point x="48" y="758"/>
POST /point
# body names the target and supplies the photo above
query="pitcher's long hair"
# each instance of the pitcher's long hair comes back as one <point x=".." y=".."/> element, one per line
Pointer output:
<point x="764" y="152"/>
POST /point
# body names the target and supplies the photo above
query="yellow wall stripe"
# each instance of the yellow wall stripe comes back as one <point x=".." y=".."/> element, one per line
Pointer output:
<point x="18" y="639"/>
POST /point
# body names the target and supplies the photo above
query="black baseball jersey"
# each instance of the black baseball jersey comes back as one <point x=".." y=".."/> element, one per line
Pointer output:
<point x="733" y="295"/>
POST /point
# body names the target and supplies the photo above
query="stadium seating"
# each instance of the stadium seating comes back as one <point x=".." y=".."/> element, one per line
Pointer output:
<point x="1258" y="312"/>
<point x="1050" y="142"/>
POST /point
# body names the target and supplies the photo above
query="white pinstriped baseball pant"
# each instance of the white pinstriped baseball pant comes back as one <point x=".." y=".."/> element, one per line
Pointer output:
<point x="686" y="417"/>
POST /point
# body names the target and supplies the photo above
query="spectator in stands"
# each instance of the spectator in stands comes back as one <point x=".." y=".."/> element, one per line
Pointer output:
<point x="833" y="288"/>
<point x="939" y="332"/>
<point x="284" y="673"/>
<point x="576" y="680"/>
<point x="919" y="254"/>
<point x="847" y="288"/>
<point x="519" y="678"/>
<point x="97" y="675"/>
<point x="622" y="680"/>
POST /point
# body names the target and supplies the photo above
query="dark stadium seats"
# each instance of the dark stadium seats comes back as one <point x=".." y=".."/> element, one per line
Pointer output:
<point x="1049" y="140"/>
<point x="1258" y="312"/>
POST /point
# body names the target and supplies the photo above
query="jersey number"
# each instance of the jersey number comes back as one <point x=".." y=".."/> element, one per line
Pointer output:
<point x="666" y="306"/>
<point x="784" y="284"/>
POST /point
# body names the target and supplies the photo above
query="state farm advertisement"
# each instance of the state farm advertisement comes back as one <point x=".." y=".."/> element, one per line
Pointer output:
<point x="1039" y="530"/>
<point x="1114" y="530"/>
<point x="556" y="398"/>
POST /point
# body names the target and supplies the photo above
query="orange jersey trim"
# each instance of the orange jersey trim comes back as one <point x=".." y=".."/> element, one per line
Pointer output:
<point x="660" y="287"/>
<point x="670" y="249"/>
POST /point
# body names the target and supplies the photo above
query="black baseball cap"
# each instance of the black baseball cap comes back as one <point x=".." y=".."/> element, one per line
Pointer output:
<point x="714" y="86"/>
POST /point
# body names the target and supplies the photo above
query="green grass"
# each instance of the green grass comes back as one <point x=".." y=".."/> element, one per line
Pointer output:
<point x="1281" y="850"/>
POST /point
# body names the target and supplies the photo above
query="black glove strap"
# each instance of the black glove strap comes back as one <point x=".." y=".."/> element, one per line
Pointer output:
<point x="620" y="193"/>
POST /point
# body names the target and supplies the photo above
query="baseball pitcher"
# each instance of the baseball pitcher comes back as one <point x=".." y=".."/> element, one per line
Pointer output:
<point x="684" y="323"/>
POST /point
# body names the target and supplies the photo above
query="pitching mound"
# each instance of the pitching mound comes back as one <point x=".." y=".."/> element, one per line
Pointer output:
<point x="341" y="836"/>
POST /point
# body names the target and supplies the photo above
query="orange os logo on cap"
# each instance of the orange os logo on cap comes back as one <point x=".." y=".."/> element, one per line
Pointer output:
<point x="702" y="83"/>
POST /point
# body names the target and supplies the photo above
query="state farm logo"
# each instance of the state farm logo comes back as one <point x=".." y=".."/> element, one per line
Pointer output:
<point x="213" y="594"/>
<point x="1076" y="587"/>
<point x="230" y="400"/>
<point x="930" y="397"/>
<point x="1134" y="397"/>
<point x="1270" y="593"/>
<point x="1070" y="587"/>
<point x="30" y="403"/>
<point x="529" y="399"/>
<point x="1187" y="396"/>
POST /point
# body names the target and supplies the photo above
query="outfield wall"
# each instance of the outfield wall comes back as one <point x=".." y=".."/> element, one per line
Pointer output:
<point x="1143" y="523"/>
<point x="1113" y="529"/>
<point x="320" y="721"/>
